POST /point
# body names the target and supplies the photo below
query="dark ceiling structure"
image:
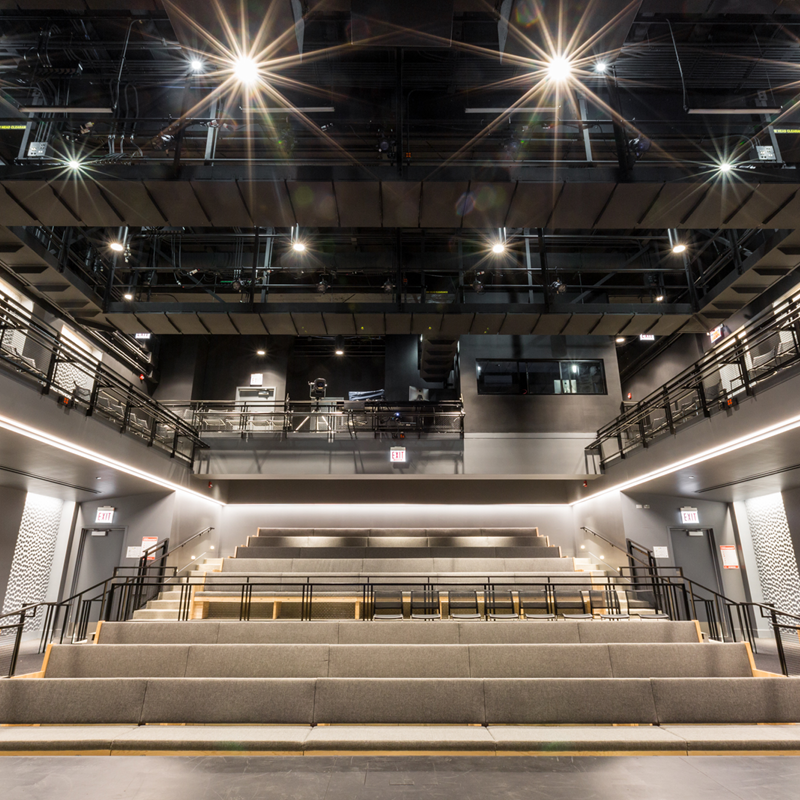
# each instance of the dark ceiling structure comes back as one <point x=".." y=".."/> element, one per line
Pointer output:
<point x="365" y="167"/>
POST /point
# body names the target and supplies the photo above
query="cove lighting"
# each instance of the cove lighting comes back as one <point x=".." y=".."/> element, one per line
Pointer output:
<point x="790" y="424"/>
<point x="29" y="432"/>
<point x="559" y="69"/>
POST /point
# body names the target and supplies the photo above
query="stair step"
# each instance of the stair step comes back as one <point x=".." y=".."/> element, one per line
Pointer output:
<point x="155" y="613"/>
<point x="164" y="605"/>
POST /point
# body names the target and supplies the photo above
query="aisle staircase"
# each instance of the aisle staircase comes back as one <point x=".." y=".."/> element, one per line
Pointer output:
<point x="167" y="605"/>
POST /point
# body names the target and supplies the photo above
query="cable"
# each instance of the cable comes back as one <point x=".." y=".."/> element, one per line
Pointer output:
<point x="680" y="66"/>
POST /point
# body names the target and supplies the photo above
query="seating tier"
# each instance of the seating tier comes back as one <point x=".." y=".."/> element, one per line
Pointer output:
<point x="292" y="632"/>
<point x="429" y="567"/>
<point x="262" y="551"/>
<point x="484" y="701"/>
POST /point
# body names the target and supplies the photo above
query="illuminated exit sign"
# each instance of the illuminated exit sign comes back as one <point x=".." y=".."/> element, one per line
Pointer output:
<point x="397" y="455"/>
<point x="689" y="516"/>
<point x="105" y="514"/>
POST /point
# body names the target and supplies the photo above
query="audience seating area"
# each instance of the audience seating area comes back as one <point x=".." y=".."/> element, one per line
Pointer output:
<point x="455" y="687"/>
<point x="505" y="669"/>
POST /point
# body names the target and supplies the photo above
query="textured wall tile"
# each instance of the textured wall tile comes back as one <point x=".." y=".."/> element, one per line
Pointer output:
<point x="33" y="555"/>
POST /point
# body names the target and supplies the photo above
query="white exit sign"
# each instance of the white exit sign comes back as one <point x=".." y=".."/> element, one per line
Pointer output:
<point x="689" y="516"/>
<point x="105" y="514"/>
<point x="647" y="337"/>
<point x="397" y="455"/>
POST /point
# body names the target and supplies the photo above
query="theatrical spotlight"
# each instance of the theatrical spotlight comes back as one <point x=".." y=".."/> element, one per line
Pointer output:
<point x="559" y="69"/>
<point x="245" y="70"/>
<point x="338" y="347"/>
<point x="388" y="287"/>
<point x="323" y="286"/>
<point x="556" y="287"/>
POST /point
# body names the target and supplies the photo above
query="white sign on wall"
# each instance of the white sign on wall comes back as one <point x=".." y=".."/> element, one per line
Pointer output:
<point x="397" y="455"/>
<point x="133" y="552"/>
<point x="257" y="379"/>
<point x="660" y="552"/>
<point x="147" y="543"/>
<point x="730" y="558"/>
<point x="689" y="516"/>
<point x="105" y="514"/>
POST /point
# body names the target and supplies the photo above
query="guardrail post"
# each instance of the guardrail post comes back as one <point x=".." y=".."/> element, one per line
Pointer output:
<point x="668" y="411"/>
<point x="779" y="642"/>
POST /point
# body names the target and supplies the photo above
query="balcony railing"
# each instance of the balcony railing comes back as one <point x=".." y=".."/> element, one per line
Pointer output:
<point x="78" y="379"/>
<point x="326" y="417"/>
<point x="741" y="365"/>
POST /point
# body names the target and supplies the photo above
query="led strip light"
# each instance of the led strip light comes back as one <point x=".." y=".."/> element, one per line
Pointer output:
<point x="97" y="458"/>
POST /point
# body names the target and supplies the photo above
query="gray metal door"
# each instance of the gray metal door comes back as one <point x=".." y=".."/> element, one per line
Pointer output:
<point x="694" y="550"/>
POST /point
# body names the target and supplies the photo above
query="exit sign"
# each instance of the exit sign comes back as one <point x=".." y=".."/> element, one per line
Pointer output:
<point x="397" y="455"/>
<point x="647" y="337"/>
<point x="689" y="516"/>
<point x="105" y="514"/>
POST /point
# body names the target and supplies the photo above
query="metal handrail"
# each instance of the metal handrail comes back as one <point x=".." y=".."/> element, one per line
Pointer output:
<point x="122" y="399"/>
<point x="608" y="541"/>
<point x="685" y="397"/>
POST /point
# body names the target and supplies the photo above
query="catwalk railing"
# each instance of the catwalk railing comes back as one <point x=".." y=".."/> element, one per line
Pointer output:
<point x="326" y="417"/>
<point x="739" y="366"/>
<point x="77" y="379"/>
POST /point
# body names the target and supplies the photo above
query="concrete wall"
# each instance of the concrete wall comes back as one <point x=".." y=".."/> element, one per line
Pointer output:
<point x="12" y="503"/>
<point x="538" y="413"/>
<point x="676" y="358"/>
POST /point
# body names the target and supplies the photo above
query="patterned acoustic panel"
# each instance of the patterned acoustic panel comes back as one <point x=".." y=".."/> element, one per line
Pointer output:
<point x="775" y="558"/>
<point x="33" y="554"/>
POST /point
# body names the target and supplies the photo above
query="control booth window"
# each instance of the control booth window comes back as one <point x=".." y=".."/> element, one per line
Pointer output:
<point x="541" y="376"/>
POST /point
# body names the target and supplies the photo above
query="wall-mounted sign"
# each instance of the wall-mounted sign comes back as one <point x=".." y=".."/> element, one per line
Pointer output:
<point x="689" y="516"/>
<point x="105" y="514"/>
<point x="397" y="455"/>
<point x="660" y="552"/>
<point x="730" y="558"/>
<point x="141" y="335"/>
<point x="147" y="543"/>
<point x="133" y="552"/>
<point x="257" y="379"/>
<point x="716" y="334"/>
<point x="647" y="337"/>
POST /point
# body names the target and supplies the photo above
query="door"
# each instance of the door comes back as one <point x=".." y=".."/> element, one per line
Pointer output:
<point x="694" y="550"/>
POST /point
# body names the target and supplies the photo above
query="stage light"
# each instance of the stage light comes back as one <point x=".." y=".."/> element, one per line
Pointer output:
<point x="322" y="286"/>
<point x="725" y="167"/>
<point x="261" y="352"/>
<point x="128" y="296"/>
<point x="196" y="64"/>
<point x="388" y="287"/>
<point x="660" y="298"/>
<point x="339" y="346"/>
<point x="678" y="248"/>
<point x="74" y="164"/>
<point x="117" y="247"/>
<point x="620" y="339"/>
<point x="298" y="247"/>
<point x="498" y="248"/>
<point x="245" y="70"/>
<point x="559" y="69"/>
<point x="601" y="67"/>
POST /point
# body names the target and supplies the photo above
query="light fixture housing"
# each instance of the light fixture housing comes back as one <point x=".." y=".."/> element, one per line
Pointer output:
<point x="196" y="65"/>
<point x="261" y="352"/>
<point x="724" y="167"/>
<point x="678" y="248"/>
<point x="601" y="67"/>
<point x="498" y="248"/>
<point x="127" y="296"/>
<point x="74" y="164"/>
<point x="620" y="339"/>
<point x="298" y="247"/>
<point x="117" y="247"/>
<point x="660" y="298"/>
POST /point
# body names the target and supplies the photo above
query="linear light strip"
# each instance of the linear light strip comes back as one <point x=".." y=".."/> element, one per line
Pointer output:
<point x="64" y="110"/>
<point x="517" y="110"/>
<point x="91" y="455"/>
<point x="734" y="111"/>
<point x="736" y="444"/>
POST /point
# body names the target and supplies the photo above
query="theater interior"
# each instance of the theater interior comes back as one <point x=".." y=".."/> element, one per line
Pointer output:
<point x="399" y="399"/>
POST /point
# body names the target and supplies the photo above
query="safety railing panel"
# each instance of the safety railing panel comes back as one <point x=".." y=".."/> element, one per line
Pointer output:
<point x="739" y="366"/>
<point x="325" y="418"/>
<point x="78" y="379"/>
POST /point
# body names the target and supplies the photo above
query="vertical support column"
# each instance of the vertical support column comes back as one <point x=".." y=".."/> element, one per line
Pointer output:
<point x="587" y="143"/>
<point x="526" y="232"/>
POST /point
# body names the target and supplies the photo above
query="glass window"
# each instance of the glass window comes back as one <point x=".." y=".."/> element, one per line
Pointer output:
<point x="500" y="377"/>
<point x="541" y="376"/>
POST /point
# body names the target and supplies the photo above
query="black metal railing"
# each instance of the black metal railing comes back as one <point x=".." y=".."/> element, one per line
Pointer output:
<point x="328" y="417"/>
<point x="739" y="366"/>
<point x="76" y="378"/>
